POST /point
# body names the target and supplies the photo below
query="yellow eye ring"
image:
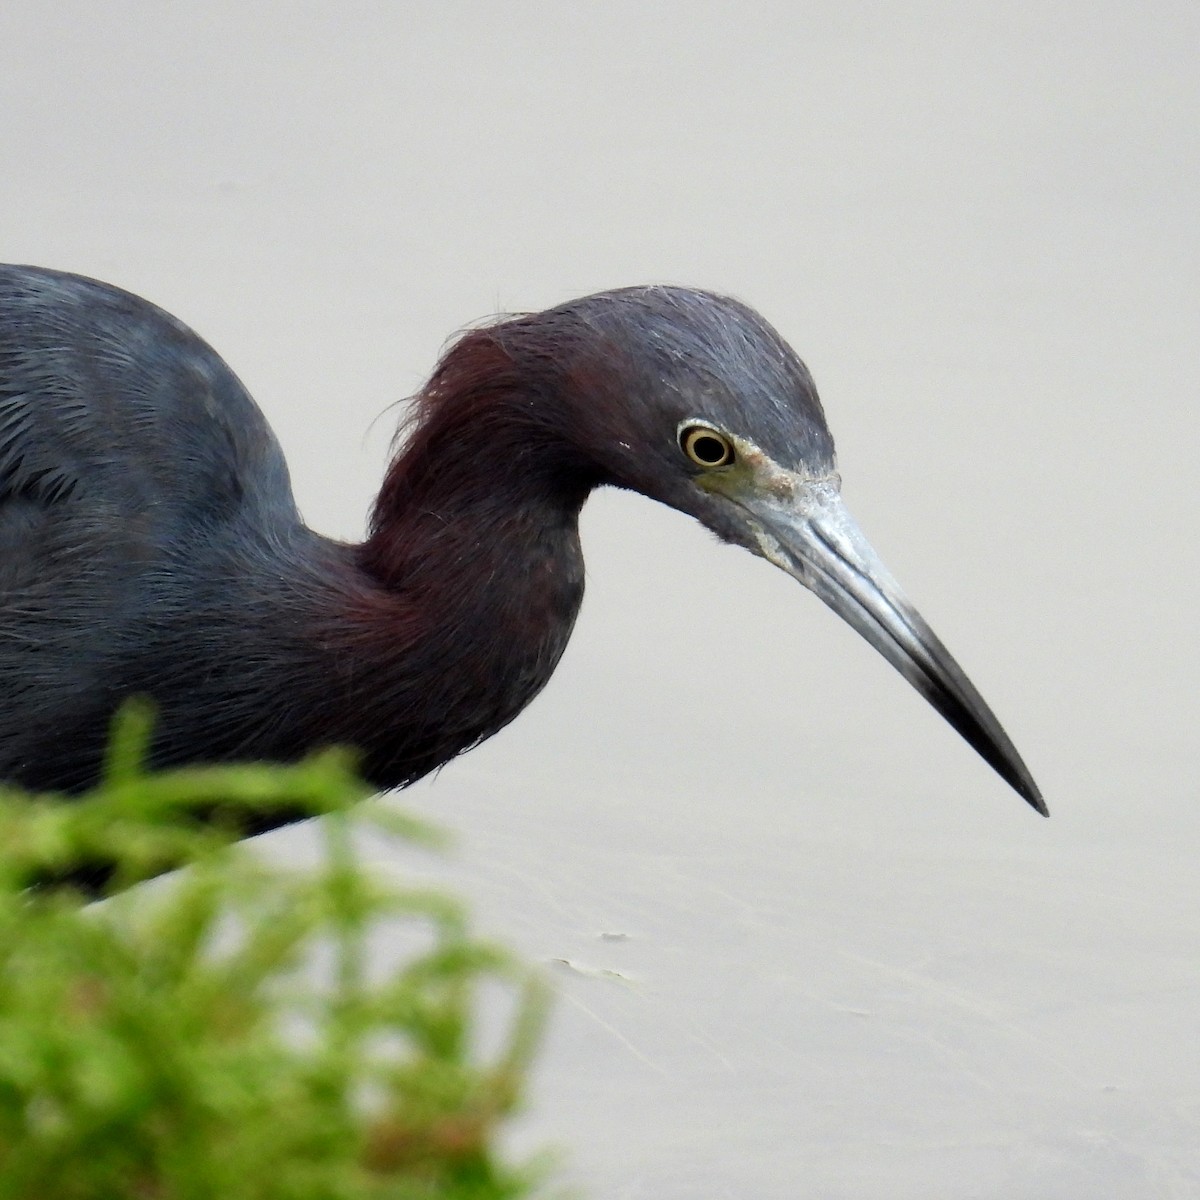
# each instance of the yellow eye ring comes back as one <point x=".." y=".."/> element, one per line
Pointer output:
<point x="705" y="446"/>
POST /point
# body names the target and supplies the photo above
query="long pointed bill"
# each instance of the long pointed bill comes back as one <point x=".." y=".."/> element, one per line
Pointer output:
<point x="813" y="537"/>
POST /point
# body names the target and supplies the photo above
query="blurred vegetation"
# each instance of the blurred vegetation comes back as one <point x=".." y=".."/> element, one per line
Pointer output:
<point x="226" y="1033"/>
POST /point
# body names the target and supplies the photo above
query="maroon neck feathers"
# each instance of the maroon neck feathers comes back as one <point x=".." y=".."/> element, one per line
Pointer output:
<point x="474" y="553"/>
<point x="489" y="441"/>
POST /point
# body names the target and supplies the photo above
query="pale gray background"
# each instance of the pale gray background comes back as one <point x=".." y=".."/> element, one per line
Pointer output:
<point x="856" y="965"/>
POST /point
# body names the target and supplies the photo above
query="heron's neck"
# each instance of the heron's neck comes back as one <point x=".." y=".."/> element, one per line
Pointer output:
<point x="472" y="595"/>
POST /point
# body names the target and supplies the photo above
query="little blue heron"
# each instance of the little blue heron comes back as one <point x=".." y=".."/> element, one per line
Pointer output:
<point x="150" y="545"/>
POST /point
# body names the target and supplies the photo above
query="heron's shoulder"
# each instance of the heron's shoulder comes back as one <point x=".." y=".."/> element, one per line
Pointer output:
<point x="101" y="388"/>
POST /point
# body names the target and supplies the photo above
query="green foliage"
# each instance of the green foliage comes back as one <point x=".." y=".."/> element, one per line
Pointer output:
<point x="222" y="1035"/>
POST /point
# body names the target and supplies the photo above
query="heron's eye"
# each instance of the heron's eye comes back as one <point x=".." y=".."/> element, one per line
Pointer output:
<point x="705" y="446"/>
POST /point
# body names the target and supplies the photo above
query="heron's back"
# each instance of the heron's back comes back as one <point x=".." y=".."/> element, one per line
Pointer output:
<point x="130" y="457"/>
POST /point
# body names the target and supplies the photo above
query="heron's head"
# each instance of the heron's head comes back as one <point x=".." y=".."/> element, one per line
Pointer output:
<point x="695" y="400"/>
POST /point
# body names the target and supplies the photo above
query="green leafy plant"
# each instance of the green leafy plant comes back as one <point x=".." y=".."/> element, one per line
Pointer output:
<point x="223" y="1034"/>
